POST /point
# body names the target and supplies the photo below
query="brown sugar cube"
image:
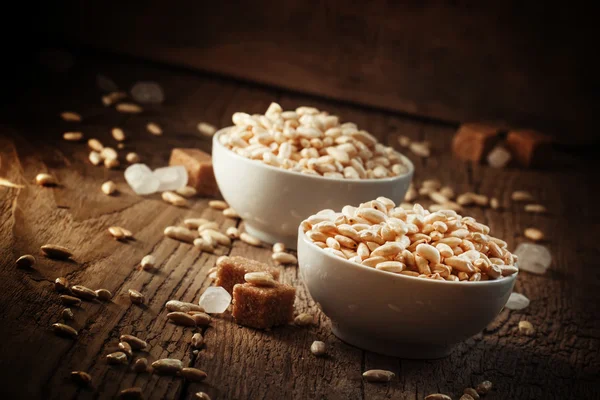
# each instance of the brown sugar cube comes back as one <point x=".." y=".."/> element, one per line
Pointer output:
<point x="263" y="307"/>
<point x="529" y="147"/>
<point x="474" y="140"/>
<point x="232" y="270"/>
<point x="198" y="165"/>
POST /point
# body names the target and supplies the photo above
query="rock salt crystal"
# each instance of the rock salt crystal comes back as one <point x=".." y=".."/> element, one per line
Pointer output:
<point x="171" y="178"/>
<point x="147" y="93"/>
<point x="215" y="300"/>
<point x="533" y="258"/>
<point x="499" y="157"/>
<point x="141" y="179"/>
<point x="517" y="301"/>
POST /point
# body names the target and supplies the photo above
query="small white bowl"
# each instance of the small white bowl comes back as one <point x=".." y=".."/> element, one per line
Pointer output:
<point x="398" y="315"/>
<point x="273" y="201"/>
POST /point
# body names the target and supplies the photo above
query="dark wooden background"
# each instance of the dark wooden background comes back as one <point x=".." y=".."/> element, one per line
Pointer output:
<point x="519" y="63"/>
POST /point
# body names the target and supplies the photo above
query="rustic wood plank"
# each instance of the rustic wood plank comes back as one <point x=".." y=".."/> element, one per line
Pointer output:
<point x="560" y="361"/>
<point x="443" y="60"/>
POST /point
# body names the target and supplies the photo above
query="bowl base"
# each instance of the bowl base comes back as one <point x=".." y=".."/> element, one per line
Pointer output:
<point x="421" y="351"/>
<point x="291" y="242"/>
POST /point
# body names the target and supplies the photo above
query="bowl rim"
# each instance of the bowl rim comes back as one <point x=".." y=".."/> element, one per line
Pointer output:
<point x="405" y="160"/>
<point x="493" y="282"/>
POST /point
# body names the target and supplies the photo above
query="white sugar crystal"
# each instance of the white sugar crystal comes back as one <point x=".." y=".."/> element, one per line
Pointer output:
<point x="499" y="157"/>
<point x="533" y="258"/>
<point x="517" y="301"/>
<point x="171" y="178"/>
<point x="141" y="179"/>
<point x="215" y="300"/>
<point x="147" y="93"/>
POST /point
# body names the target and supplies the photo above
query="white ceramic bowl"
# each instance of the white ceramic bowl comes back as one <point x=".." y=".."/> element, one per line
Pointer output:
<point x="398" y="315"/>
<point x="273" y="201"/>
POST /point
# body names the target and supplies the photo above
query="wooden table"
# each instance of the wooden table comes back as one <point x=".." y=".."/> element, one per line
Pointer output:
<point x="561" y="361"/>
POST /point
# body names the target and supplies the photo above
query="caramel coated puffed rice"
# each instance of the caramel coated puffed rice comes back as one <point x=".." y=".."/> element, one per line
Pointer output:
<point x="313" y="142"/>
<point x="440" y="245"/>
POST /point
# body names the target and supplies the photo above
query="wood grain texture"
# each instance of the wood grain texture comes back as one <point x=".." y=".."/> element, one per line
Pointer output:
<point x="504" y="61"/>
<point x="560" y="362"/>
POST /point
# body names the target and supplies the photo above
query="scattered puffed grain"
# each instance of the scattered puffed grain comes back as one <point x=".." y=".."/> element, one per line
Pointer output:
<point x="206" y="129"/>
<point x="83" y="292"/>
<point x="136" y="297"/>
<point x="218" y="204"/>
<point x="378" y="375"/>
<point x="494" y="203"/>
<point x="278" y="248"/>
<point x="117" y="232"/>
<point x="108" y="188"/>
<point x="81" y="378"/>
<point x="535" y="208"/>
<point x="67" y="314"/>
<point x="438" y="396"/>
<point x="193" y="374"/>
<point x="186" y="191"/>
<point x="56" y="251"/>
<point x="233" y="232"/>
<point x="129" y="108"/>
<point x="249" y="239"/>
<point x="304" y="319"/>
<point x="404" y="141"/>
<point x="72" y="136"/>
<point x="174" y="199"/>
<point x="230" y="213"/>
<point x="201" y="319"/>
<point x="135" y="342"/>
<point x="472" y="392"/>
<point x="182" y="306"/>
<point x="95" y="158"/>
<point x="195" y="223"/>
<point x="132" y="158"/>
<point x="420" y="149"/>
<point x="70" y="116"/>
<point x="284" y="258"/>
<point x="118" y="134"/>
<point x="484" y="387"/>
<point x="117" y="358"/>
<point x="95" y="145"/>
<point x="25" y="261"/>
<point x="167" y="366"/>
<point x="521" y="195"/>
<point x="203" y="245"/>
<point x="148" y="262"/>
<point x="526" y="328"/>
<point x="208" y="225"/>
<point x="260" y="279"/>
<point x="45" y="180"/>
<point x="126" y="348"/>
<point x="197" y="340"/>
<point x="111" y="163"/>
<point x="180" y="233"/>
<point x="318" y="348"/>
<point x="64" y="330"/>
<point x="181" y="318"/>
<point x="70" y="300"/>
<point x="133" y="393"/>
<point x="140" y="365"/>
<point x="534" y="234"/>
<point x="154" y="129"/>
<point x="104" y="294"/>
